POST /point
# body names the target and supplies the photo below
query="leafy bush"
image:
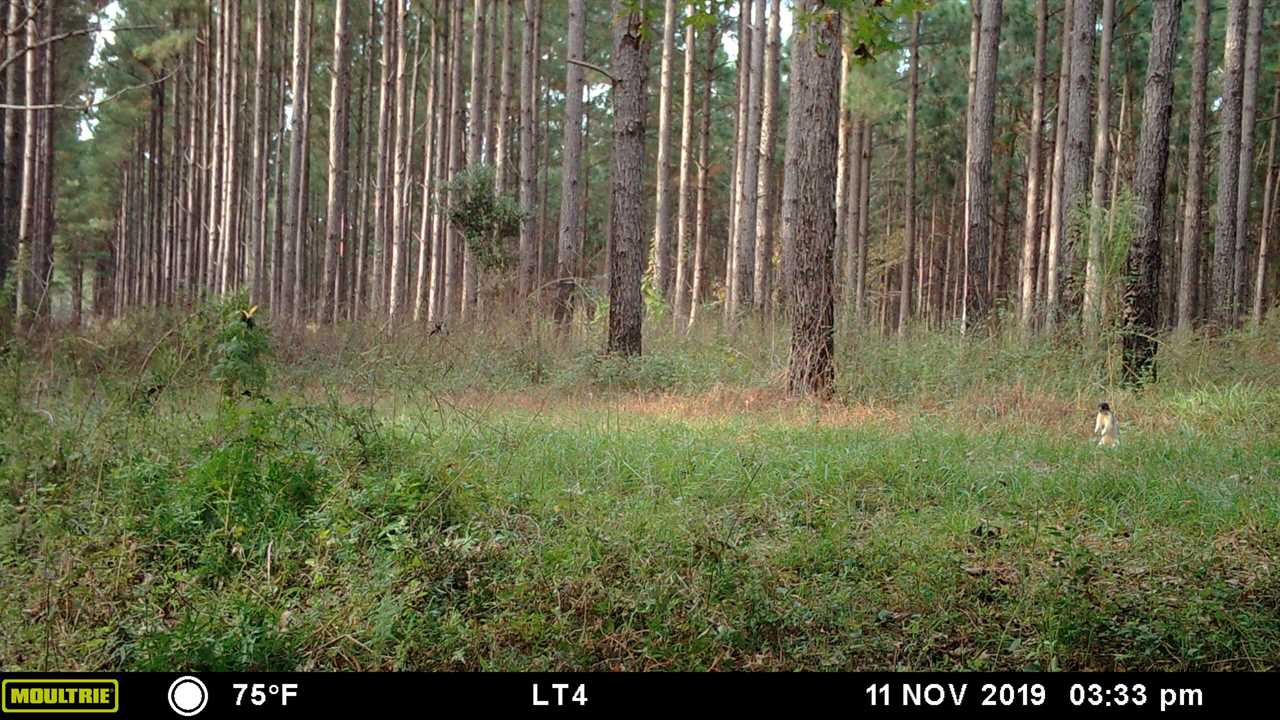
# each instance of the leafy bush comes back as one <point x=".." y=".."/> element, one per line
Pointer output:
<point x="239" y="364"/>
<point x="486" y="219"/>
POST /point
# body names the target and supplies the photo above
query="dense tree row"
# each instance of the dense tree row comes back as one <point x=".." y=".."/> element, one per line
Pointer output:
<point x="932" y="164"/>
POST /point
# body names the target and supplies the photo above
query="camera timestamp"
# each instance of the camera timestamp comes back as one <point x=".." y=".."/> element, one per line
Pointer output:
<point x="1028" y="695"/>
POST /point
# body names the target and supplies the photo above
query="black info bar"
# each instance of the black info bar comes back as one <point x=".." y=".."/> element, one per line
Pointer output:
<point x="284" y="695"/>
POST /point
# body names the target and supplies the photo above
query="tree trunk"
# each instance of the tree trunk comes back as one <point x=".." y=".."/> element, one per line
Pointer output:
<point x="1031" y="219"/>
<point x="626" y="213"/>
<point x="1248" y="119"/>
<point x="14" y="124"/>
<point x="1224" y="237"/>
<point x="976" y="299"/>
<point x="1188" y="284"/>
<point x="703" y="210"/>
<point x="568" y="250"/>
<point x="662" y="256"/>
<point x="229" y="176"/>
<point x="684" y="204"/>
<point x="744" y="223"/>
<point x="1142" y="268"/>
<point x="422" y="269"/>
<point x="336" y="201"/>
<point x="1057" y="216"/>
<point x="1075" y="177"/>
<point x="864" y="213"/>
<point x="769" y="169"/>
<point x="454" y="246"/>
<point x="402" y="131"/>
<point x="529" y="250"/>
<point x="743" y="66"/>
<point x="1269" y="199"/>
<point x="292" y="231"/>
<point x="909" y="233"/>
<point x="27" y="213"/>
<point x="809" y="222"/>
<point x="1092" y="307"/>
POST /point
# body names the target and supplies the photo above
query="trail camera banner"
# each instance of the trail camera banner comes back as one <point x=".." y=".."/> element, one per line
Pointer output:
<point x="308" y="695"/>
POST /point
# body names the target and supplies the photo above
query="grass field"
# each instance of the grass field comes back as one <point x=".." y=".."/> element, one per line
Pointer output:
<point x="472" y="501"/>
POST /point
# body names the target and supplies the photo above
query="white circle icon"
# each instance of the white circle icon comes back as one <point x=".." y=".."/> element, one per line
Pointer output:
<point x="188" y="696"/>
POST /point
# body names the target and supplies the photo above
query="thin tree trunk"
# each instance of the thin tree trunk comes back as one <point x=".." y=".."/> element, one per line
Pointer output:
<point x="529" y="250"/>
<point x="703" y="210"/>
<point x="748" y="171"/>
<point x="1092" y="307"/>
<point x="1031" y="219"/>
<point x="1248" y="119"/>
<point x="229" y="177"/>
<point x="662" y="254"/>
<point x="477" y="130"/>
<point x="1223" y="299"/>
<point x="429" y="164"/>
<point x="1058" y="218"/>
<point x="337" y="198"/>
<point x="684" y="203"/>
<point x="1269" y="199"/>
<point x="568" y="250"/>
<point x="399" y="182"/>
<point x="769" y="169"/>
<point x="864" y="213"/>
<point x="1188" y="284"/>
<point x="454" y="249"/>
<point x="27" y="213"/>
<point x="909" y="234"/>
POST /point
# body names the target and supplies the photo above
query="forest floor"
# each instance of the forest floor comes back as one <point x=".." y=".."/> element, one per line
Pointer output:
<point x="475" y="501"/>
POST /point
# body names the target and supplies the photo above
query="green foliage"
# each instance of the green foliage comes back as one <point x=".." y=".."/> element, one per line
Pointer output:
<point x="486" y="219"/>
<point x="239" y="356"/>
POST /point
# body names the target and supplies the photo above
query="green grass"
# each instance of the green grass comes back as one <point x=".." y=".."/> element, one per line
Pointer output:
<point x="481" y="503"/>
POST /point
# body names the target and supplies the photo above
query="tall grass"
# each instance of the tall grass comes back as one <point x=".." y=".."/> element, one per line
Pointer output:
<point x="504" y="497"/>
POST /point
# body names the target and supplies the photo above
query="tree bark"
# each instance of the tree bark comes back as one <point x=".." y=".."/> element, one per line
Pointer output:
<point x="626" y="214"/>
<point x="1031" y="219"/>
<point x="976" y="300"/>
<point x="529" y="250"/>
<point x="684" y="201"/>
<point x="568" y="249"/>
<point x="1248" y="120"/>
<point x="703" y="210"/>
<point x="27" y="212"/>
<point x="744" y="223"/>
<point x="909" y="233"/>
<point x="864" y="213"/>
<point x="662" y="255"/>
<point x="1193" y="198"/>
<point x="336" y="202"/>
<point x="1224" y="238"/>
<point x="809" y="222"/>
<point x="1057" y="216"/>
<point x="403" y="129"/>
<point x="1142" y="268"/>
<point x="454" y="248"/>
<point x="1092" y="307"/>
<point x="1075" y="177"/>
<point x="1269" y="199"/>
<point x="769" y="170"/>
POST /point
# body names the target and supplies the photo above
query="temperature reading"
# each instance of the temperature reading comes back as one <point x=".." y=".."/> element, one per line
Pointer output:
<point x="259" y="692"/>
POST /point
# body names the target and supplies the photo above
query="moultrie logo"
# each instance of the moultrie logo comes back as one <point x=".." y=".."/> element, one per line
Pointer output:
<point x="48" y="695"/>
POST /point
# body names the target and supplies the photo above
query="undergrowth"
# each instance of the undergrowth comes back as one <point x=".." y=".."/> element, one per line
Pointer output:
<point x="509" y="499"/>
